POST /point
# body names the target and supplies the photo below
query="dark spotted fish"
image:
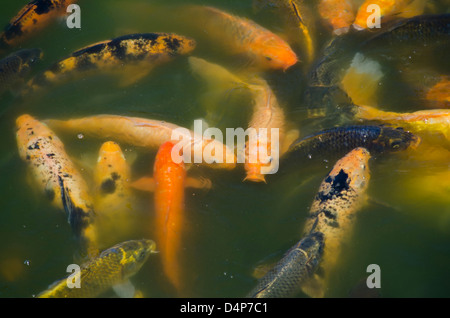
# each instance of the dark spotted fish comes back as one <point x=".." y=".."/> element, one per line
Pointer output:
<point x="131" y="57"/>
<point x="16" y="66"/>
<point x="32" y="18"/>
<point x="340" y="140"/>
<point x="341" y="195"/>
<point x="58" y="178"/>
<point x="297" y="265"/>
<point x="112" y="267"/>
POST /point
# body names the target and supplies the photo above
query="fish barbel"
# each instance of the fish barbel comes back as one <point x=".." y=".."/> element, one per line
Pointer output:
<point x="113" y="266"/>
<point x="57" y="177"/>
<point x="341" y="195"/>
<point x="148" y="133"/>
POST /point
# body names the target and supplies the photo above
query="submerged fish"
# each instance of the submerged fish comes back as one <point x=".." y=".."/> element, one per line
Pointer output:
<point x="296" y="266"/>
<point x="341" y="195"/>
<point x="16" y="66"/>
<point x="339" y="14"/>
<point x="439" y="94"/>
<point x="340" y="140"/>
<point x="433" y="120"/>
<point x="112" y="267"/>
<point x="131" y="57"/>
<point x="113" y="196"/>
<point x="169" y="182"/>
<point x="58" y="178"/>
<point x="242" y="36"/>
<point x="148" y="133"/>
<point x="32" y="18"/>
<point x="262" y="151"/>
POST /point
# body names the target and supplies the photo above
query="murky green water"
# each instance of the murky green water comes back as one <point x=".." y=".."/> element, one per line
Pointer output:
<point x="234" y="226"/>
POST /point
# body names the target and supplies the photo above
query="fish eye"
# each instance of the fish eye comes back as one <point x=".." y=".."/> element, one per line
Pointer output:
<point x="268" y="58"/>
<point x="396" y="144"/>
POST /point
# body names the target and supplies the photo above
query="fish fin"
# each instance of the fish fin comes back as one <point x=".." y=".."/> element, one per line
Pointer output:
<point x="125" y="289"/>
<point x="198" y="183"/>
<point x="361" y="80"/>
<point x="314" y="287"/>
<point x="134" y="74"/>
<point x="415" y="8"/>
<point x="144" y="184"/>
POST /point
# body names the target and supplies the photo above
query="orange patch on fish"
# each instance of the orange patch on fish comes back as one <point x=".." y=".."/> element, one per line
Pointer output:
<point x="339" y="14"/>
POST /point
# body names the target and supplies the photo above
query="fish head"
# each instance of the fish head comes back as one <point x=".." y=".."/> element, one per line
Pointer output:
<point x="30" y="56"/>
<point x="134" y="254"/>
<point x="274" y="53"/>
<point x="397" y="139"/>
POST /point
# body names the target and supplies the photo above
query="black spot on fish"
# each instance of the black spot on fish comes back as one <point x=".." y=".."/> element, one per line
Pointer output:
<point x="108" y="186"/>
<point x="12" y="31"/>
<point x="339" y="184"/>
<point x="115" y="176"/>
<point x="50" y="155"/>
<point x="43" y="6"/>
<point x="34" y="146"/>
<point x="34" y="21"/>
<point x="172" y="43"/>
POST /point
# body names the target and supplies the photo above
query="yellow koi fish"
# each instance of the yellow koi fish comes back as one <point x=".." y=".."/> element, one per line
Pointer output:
<point x="113" y="196"/>
<point x="111" y="268"/>
<point x="341" y="195"/>
<point x="58" y="178"/>
<point x="148" y="133"/>
<point x="433" y="120"/>
<point x="131" y="57"/>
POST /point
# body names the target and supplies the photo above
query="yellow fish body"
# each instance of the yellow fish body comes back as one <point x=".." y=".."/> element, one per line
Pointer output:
<point x="57" y="177"/>
<point x="112" y="267"/>
<point x="113" y="196"/>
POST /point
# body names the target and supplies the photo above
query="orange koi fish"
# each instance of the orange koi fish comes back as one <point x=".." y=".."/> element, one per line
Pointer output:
<point x="147" y="133"/>
<point x="168" y="183"/>
<point x="433" y="120"/>
<point x="339" y="14"/>
<point x="58" y="178"/>
<point x="243" y="36"/>
<point x="32" y="18"/>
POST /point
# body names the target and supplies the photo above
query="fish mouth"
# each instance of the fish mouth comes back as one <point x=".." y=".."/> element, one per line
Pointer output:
<point x="255" y="178"/>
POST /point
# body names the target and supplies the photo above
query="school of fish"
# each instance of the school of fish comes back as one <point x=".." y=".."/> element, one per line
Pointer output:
<point x="343" y="95"/>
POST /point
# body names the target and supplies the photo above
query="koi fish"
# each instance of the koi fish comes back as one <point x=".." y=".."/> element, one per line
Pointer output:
<point x="260" y="152"/>
<point x="113" y="195"/>
<point x="341" y="195"/>
<point x="16" y="66"/>
<point x="168" y="183"/>
<point x="131" y="57"/>
<point x="437" y="120"/>
<point x="58" y="178"/>
<point x="32" y="18"/>
<point x="339" y="14"/>
<point x="148" y="133"/>
<point x="340" y="140"/>
<point x="113" y="267"/>
<point x="243" y="36"/>
<point x="388" y="8"/>
<point x="296" y="266"/>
